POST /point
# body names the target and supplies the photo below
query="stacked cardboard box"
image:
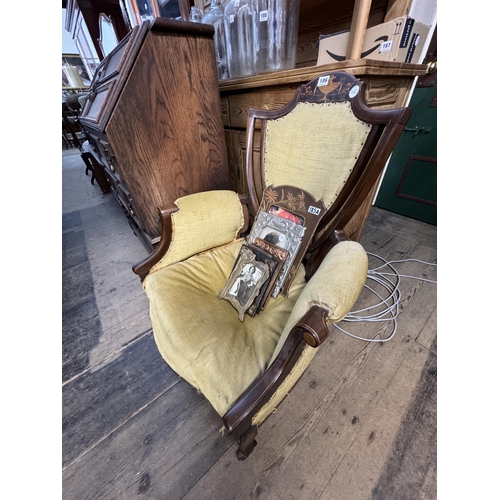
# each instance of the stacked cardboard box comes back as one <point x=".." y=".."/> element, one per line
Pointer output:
<point x="399" y="40"/>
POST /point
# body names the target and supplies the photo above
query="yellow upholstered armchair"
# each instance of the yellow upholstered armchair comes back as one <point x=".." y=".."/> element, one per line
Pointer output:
<point x="331" y="148"/>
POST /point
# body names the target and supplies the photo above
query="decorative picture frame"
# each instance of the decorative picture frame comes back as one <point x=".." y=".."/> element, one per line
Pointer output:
<point x="293" y="203"/>
<point x="282" y="233"/>
<point x="245" y="281"/>
<point x="279" y="254"/>
<point x="275" y="261"/>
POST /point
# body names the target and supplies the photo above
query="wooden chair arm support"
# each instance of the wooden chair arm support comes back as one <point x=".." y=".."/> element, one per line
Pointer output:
<point x="245" y="201"/>
<point x="142" y="268"/>
<point x="313" y="326"/>
<point x="337" y="236"/>
<point x="311" y="329"/>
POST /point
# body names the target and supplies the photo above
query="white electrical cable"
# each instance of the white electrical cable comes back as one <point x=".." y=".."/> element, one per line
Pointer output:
<point x="390" y="305"/>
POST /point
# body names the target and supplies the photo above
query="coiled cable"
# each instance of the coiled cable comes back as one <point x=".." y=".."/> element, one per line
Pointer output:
<point x="387" y="310"/>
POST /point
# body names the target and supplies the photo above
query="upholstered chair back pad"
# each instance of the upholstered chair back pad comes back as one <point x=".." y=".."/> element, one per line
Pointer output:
<point x="314" y="147"/>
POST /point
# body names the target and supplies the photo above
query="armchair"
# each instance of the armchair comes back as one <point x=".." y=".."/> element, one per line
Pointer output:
<point x="325" y="141"/>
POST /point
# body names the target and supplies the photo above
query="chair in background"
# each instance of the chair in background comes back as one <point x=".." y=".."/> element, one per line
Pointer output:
<point x="325" y="142"/>
<point x="94" y="167"/>
<point x="72" y="133"/>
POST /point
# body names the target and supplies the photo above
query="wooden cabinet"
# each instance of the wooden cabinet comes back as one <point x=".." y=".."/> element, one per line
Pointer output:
<point x="154" y="119"/>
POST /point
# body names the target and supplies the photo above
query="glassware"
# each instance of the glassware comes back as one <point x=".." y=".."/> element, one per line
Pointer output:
<point x="278" y="26"/>
<point x="215" y="17"/>
<point x="240" y="27"/>
<point x="195" y="15"/>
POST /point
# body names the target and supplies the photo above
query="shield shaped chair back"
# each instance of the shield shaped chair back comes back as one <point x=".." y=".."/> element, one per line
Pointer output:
<point x="326" y="141"/>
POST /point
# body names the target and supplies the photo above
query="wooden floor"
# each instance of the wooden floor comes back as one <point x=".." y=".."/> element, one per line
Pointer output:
<point x="360" y="424"/>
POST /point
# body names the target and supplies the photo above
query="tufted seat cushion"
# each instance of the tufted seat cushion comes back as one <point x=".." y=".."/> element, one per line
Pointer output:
<point x="201" y="337"/>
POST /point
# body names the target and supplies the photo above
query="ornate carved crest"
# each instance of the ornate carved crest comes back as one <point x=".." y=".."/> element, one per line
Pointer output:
<point x="330" y="88"/>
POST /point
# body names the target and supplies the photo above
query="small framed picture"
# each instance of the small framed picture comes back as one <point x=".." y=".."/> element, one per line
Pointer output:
<point x="245" y="281"/>
<point x="275" y="237"/>
<point x="286" y="214"/>
<point x="275" y="260"/>
<point x="278" y="254"/>
<point x="282" y="233"/>
<point x="300" y="207"/>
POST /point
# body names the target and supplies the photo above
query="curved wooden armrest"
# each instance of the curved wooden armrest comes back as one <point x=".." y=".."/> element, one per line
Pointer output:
<point x="338" y="235"/>
<point x="142" y="268"/>
<point x="311" y="329"/>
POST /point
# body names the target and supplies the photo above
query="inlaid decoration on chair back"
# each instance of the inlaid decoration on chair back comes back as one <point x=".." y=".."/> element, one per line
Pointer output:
<point x="315" y="146"/>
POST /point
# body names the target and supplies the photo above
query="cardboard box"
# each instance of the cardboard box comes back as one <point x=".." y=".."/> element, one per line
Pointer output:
<point x="399" y="40"/>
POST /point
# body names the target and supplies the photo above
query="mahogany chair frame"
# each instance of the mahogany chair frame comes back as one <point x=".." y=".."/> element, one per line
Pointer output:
<point x="312" y="329"/>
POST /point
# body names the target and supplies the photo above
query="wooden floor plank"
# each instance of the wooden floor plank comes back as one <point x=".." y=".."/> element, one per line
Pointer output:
<point x="112" y="340"/>
<point x="411" y="470"/>
<point x="160" y="452"/>
<point x="104" y="305"/>
<point x="428" y="334"/>
<point x="359" y="472"/>
<point x="81" y="325"/>
<point x="98" y="402"/>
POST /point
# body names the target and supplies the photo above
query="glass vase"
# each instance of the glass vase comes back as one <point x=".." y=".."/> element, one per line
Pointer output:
<point x="215" y="17"/>
<point x="278" y="27"/>
<point x="240" y="27"/>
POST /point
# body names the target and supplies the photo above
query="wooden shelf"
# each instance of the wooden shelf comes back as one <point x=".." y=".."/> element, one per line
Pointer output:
<point x="357" y="67"/>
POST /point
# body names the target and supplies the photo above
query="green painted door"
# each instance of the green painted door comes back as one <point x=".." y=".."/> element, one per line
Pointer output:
<point x="409" y="185"/>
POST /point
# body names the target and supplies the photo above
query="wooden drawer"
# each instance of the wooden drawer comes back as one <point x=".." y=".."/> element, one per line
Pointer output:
<point x="110" y="67"/>
<point x="107" y="153"/>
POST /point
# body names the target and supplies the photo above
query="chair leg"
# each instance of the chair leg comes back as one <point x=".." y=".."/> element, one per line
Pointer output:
<point x="88" y="166"/>
<point x="97" y="173"/>
<point x="246" y="443"/>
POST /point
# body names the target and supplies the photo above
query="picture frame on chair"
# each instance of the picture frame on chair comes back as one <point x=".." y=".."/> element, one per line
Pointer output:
<point x="282" y="233"/>
<point x="245" y="281"/>
<point x="275" y="258"/>
<point x="294" y="204"/>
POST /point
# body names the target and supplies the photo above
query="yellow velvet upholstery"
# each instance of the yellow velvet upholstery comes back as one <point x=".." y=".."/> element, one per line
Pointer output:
<point x="201" y="337"/>
<point x="204" y="220"/>
<point x="332" y="148"/>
